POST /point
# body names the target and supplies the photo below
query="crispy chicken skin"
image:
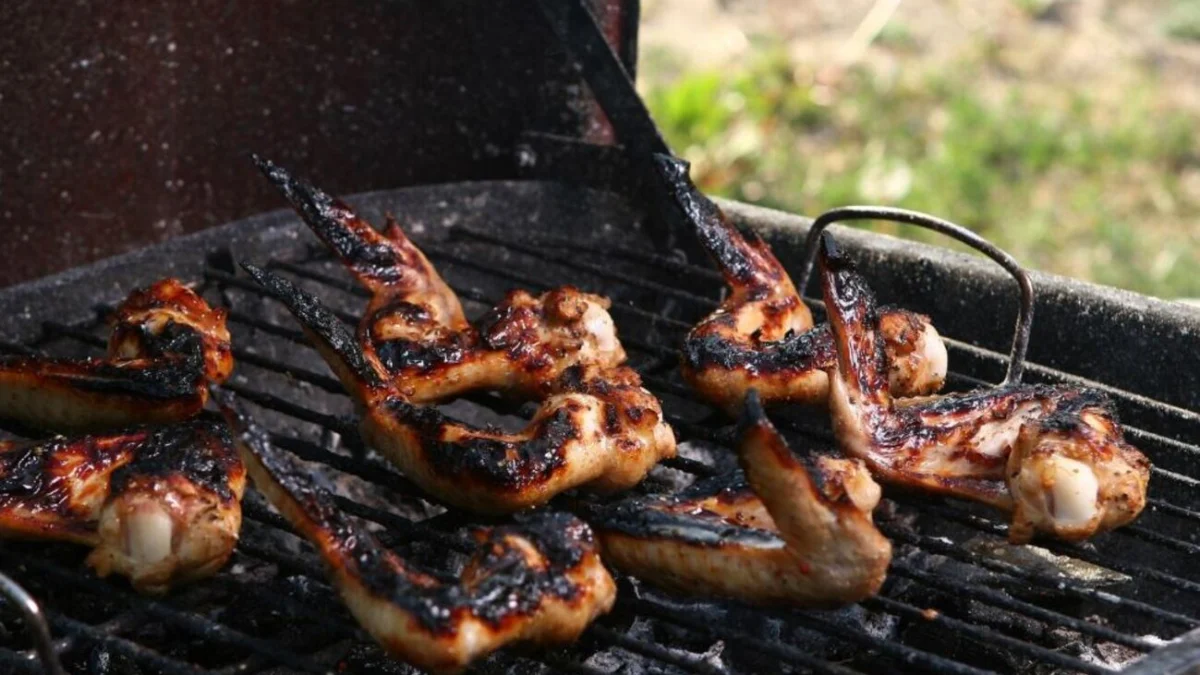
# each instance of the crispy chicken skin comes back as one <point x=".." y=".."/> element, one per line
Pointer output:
<point x="166" y="344"/>
<point x="1052" y="455"/>
<point x="414" y="323"/>
<point x="596" y="426"/>
<point x="160" y="506"/>
<point x="762" y="335"/>
<point x="787" y="533"/>
<point x="540" y="580"/>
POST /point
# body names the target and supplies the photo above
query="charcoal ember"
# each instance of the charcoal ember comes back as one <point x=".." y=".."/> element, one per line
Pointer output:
<point x="717" y="456"/>
<point x="1090" y="649"/>
<point x="609" y="661"/>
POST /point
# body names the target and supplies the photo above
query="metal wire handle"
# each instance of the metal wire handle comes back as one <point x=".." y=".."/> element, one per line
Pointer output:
<point x="35" y="623"/>
<point x="1020" y="343"/>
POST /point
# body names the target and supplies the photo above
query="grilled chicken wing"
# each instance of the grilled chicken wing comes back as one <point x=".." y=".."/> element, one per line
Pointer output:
<point x="597" y="426"/>
<point x="166" y="344"/>
<point x="540" y="580"/>
<point x="1053" y="455"/>
<point x="415" y="325"/>
<point x="787" y="533"/>
<point x="160" y="506"/>
<point x="762" y="335"/>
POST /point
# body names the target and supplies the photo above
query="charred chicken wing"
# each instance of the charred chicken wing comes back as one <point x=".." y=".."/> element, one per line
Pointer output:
<point x="762" y="335"/>
<point x="790" y="532"/>
<point x="539" y="581"/>
<point x="1054" y="456"/>
<point x="166" y="345"/>
<point x="160" y="506"/>
<point x="596" y="427"/>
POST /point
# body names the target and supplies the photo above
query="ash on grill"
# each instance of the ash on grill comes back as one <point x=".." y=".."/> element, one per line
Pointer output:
<point x="957" y="600"/>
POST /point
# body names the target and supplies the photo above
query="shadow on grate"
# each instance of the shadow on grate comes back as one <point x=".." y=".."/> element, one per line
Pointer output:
<point x="957" y="601"/>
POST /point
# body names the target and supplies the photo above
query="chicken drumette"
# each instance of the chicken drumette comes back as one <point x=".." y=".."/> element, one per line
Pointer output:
<point x="161" y="506"/>
<point x="1054" y="456"/>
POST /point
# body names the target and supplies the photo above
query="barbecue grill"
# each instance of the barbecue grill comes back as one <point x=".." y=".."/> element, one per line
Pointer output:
<point x="958" y="600"/>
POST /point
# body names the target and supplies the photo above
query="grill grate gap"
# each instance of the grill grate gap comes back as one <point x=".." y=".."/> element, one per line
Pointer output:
<point x="657" y="354"/>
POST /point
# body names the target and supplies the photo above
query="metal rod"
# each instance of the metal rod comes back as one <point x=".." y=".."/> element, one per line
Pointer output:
<point x="35" y="623"/>
<point x="987" y="635"/>
<point x="1020" y="343"/>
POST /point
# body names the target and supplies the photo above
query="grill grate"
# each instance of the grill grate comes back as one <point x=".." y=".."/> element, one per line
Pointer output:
<point x="949" y="605"/>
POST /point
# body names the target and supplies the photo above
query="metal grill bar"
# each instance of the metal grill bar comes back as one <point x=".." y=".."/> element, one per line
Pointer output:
<point x="675" y="389"/>
<point x="1138" y="435"/>
<point x="961" y="350"/>
<point x="1099" y="630"/>
<point x="275" y="404"/>
<point x="679" y="390"/>
<point x="658" y="360"/>
<point x="985" y="635"/>
<point x="189" y="622"/>
<point x="417" y="530"/>
<point x="1019" y="574"/>
<point x="708" y="304"/>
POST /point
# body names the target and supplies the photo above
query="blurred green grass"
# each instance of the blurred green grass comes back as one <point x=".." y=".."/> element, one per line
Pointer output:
<point x="1068" y="184"/>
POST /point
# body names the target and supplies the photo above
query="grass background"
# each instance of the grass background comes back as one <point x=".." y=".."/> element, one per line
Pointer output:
<point x="1089" y="175"/>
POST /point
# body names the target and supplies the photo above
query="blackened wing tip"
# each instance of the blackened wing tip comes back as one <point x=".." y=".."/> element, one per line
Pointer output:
<point x="271" y="282"/>
<point x="274" y="173"/>
<point x="276" y="286"/>
<point x="231" y="409"/>
<point x="829" y="246"/>
<point x="253" y="269"/>
<point x="268" y="168"/>
<point x="753" y="409"/>
<point x="832" y="255"/>
<point x="225" y="399"/>
<point x="753" y="414"/>
<point x="671" y="167"/>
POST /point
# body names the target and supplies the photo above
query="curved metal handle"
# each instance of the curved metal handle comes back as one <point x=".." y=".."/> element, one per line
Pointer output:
<point x="1020" y="343"/>
<point x="35" y="623"/>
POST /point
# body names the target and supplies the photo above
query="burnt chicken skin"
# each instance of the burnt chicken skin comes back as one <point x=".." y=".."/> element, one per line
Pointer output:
<point x="791" y="531"/>
<point x="762" y="335"/>
<point x="415" y="325"/>
<point x="1054" y="456"/>
<point x="160" y="506"/>
<point x="539" y="581"/>
<point x="596" y="427"/>
<point x="166" y="344"/>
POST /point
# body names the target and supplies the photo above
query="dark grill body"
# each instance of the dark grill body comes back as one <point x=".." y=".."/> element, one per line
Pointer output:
<point x="957" y="599"/>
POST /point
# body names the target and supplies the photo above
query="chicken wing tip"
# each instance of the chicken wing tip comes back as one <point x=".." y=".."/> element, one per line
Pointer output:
<point x="832" y="252"/>
<point x="336" y="341"/>
<point x="670" y="167"/>
<point x="753" y="414"/>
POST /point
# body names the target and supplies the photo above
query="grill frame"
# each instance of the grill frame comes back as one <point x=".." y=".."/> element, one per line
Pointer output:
<point x="460" y="218"/>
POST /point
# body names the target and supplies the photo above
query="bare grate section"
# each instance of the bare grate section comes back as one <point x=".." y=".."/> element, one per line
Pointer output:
<point x="956" y="601"/>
